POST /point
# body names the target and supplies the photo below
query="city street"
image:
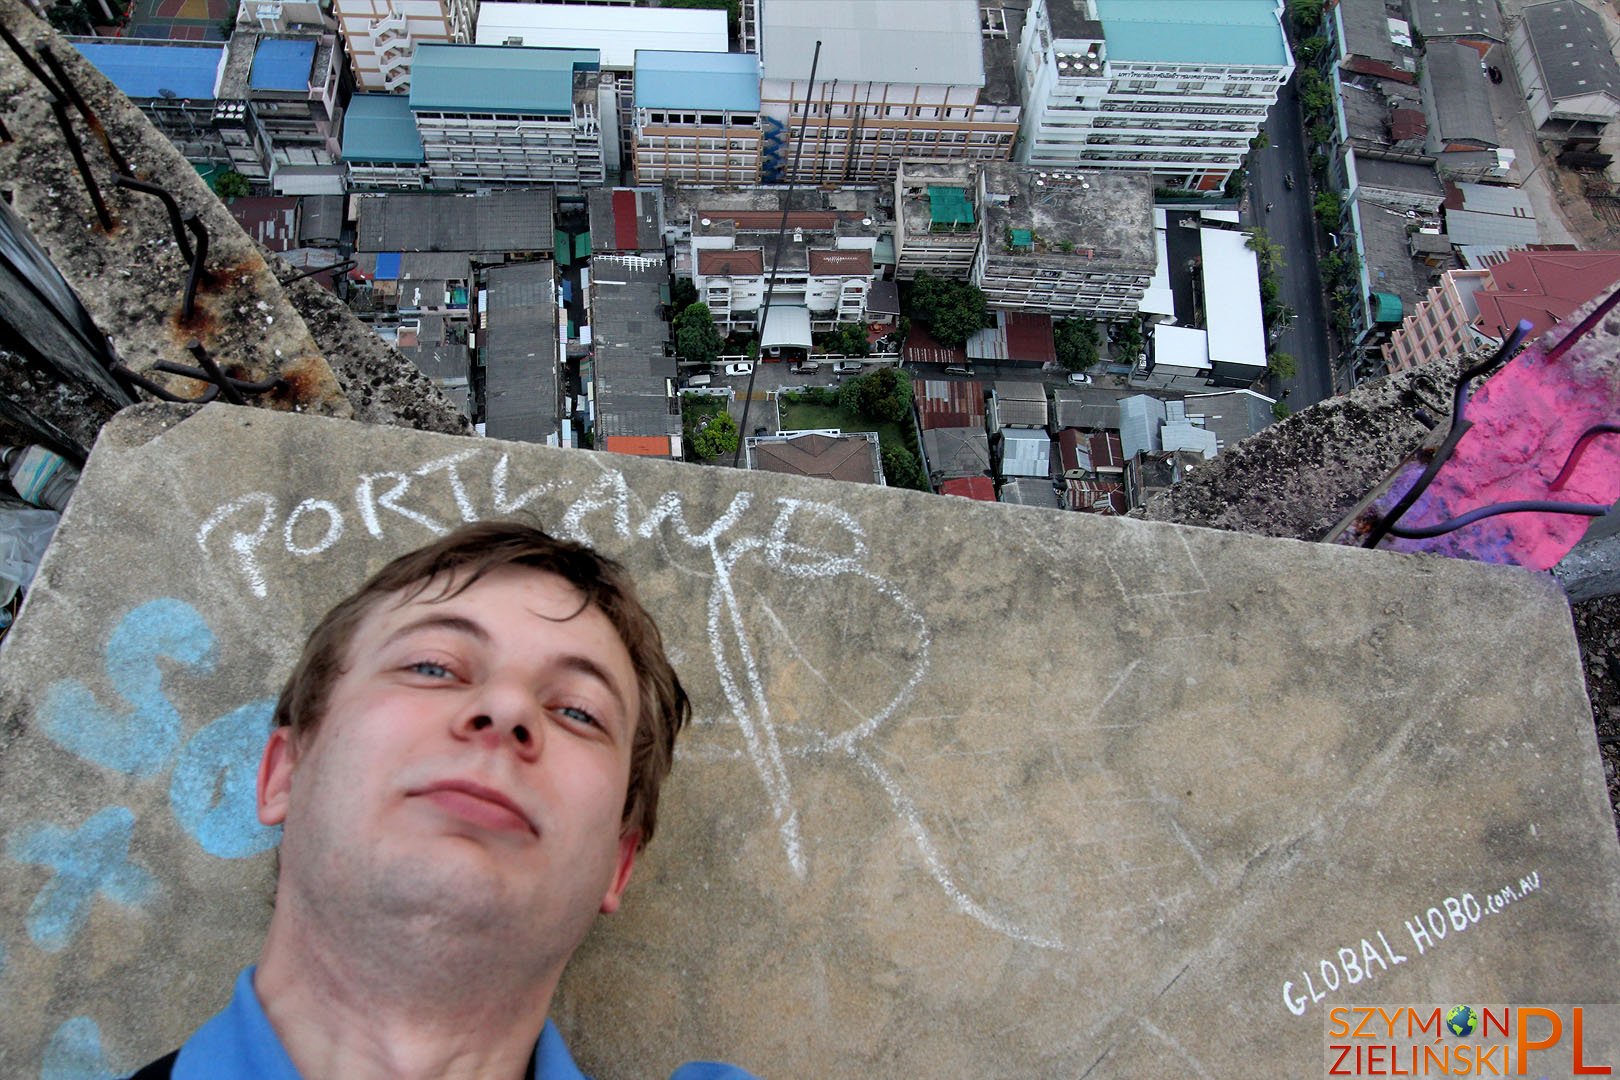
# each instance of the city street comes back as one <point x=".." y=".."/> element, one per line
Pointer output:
<point x="1289" y="223"/>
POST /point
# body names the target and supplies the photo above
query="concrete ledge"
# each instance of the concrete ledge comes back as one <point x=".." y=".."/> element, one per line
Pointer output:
<point x="974" y="790"/>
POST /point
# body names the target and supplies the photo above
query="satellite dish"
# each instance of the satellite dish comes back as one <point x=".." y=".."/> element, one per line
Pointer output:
<point x="866" y="221"/>
<point x="703" y="221"/>
<point x="167" y="94"/>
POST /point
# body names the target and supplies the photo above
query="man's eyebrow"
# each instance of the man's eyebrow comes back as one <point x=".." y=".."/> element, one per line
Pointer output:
<point x="586" y="666"/>
<point x="455" y="623"/>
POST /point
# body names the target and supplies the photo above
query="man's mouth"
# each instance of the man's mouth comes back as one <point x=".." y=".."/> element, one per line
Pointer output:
<point x="479" y="805"/>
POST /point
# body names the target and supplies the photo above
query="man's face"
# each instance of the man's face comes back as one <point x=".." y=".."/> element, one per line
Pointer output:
<point x="470" y="768"/>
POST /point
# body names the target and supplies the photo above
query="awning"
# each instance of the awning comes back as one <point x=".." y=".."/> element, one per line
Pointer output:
<point x="1386" y="308"/>
<point x="786" y="326"/>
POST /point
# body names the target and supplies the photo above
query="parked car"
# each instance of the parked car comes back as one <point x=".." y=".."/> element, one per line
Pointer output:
<point x="1079" y="378"/>
<point x="847" y="367"/>
<point x="739" y="369"/>
<point x="959" y="369"/>
<point x="697" y="381"/>
<point x="809" y="367"/>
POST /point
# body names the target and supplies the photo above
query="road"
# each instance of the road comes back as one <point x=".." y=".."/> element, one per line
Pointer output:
<point x="1289" y="223"/>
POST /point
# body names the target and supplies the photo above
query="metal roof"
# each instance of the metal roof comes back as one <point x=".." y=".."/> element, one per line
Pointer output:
<point x="282" y="64"/>
<point x="519" y="343"/>
<point x="1456" y="18"/>
<point x="721" y="81"/>
<point x="379" y="127"/>
<point x="617" y="32"/>
<point x="1572" y="50"/>
<point x="937" y="43"/>
<point x="1494" y="230"/>
<point x="510" y="219"/>
<point x="957" y="451"/>
<point x="1140" y="418"/>
<point x="786" y="324"/>
<point x="1229" y="32"/>
<point x="1026" y="453"/>
<point x="1462" y="106"/>
<point x="632" y="375"/>
<point x="949" y="403"/>
<point x="1237" y="333"/>
<point x="143" y="70"/>
<point x="490" y="78"/>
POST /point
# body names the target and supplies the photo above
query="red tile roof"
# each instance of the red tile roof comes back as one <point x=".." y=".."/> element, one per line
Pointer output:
<point x="771" y="219"/>
<point x="841" y="263"/>
<point x="640" y="445"/>
<point x="970" y="487"/>
<point x="845" y="457"/>
<point x="1544" y="287"/>
<point x="943" y="404"/>
<point x="730" y="262"/>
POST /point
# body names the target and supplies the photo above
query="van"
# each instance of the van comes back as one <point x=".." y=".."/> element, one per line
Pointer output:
<point x="699" y="380"/>
<point x="958" y="369"/>
<point x="809" y="367"/>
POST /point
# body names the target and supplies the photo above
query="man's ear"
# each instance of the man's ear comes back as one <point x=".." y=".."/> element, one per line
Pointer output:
<point x="275" y="775"/>
<point x="629" y="843"/>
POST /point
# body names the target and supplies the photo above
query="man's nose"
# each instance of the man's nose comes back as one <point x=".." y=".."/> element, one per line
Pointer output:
<point x="503" y="716"/>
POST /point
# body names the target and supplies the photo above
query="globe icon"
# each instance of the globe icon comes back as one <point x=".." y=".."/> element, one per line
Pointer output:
<point x="1461" y="1021"/>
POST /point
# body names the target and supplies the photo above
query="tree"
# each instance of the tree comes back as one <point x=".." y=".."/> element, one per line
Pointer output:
<point x="883" y="394"/>
<point x="1128" y="340"/>
<point x="1307" y="14"/>
<point x="901" y="468"/>
<point x="719" y="436"/>
<point x="953" y="310"/>
<point x="1077" y="343"/>
<point x="1280" y="410"/>
<point x="231" y="185"/>
<point x="1260" y="141"/>
<point x="1267" y="251"/>
<point x="1307" y="51"/>
<point x="72" y="17"/>
<point x="683" y="294"/>
<point x="1329" y="207"/>
<point x="850" y="339"/>
<point x="1282" y="365"/>
<point x="1315" y="96"/>
<point x="696" y="339"/>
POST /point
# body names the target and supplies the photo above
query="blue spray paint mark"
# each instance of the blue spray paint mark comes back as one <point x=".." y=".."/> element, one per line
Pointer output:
<point x="214" y="789"/>
<point x="140" y="740"/>
<point x="92" y="860"/>
<point x="74" y="1053"/>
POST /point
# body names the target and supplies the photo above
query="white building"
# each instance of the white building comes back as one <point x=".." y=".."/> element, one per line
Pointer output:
<point x="1178" y="87"/>
<point x="894" y="80"/>
<point x="382" y="36"/>
<point x="696" y="117"/>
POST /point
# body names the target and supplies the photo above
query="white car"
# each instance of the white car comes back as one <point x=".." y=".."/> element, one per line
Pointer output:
<point x="848" y="367"/>
<point x="1079" y="378"/>
<point x="739" y="369"/>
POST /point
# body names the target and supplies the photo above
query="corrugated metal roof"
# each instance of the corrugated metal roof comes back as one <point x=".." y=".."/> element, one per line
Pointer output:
<point x="1140" y="418"/>
<point x="944" y="404"/>
<point x="1461" y="103"/>
<point x="144" y="70"/>
<point x="1107" y="452"/>
<point x="379" y="127"/>
<point x="721" y="81"/>
<point x="1237" y="32"/>
<point x="519" y="344"/>
<point x="272" y="221"/>
<point x="970" y="487"/>
<point x="618" y="33"/>
<point x="1026" y="453"/>
<point x="937" y="43"/>
<point x="282" y="64"/>
<point x="1494" y="230"/>
<point x="1572" y="50"/>
<point x="490" y="78"/>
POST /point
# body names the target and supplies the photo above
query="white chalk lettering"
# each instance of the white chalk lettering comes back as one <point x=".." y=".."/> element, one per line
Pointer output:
<point x="244" y="543"/>
<point x="1437" y="923"/>
<point x="1351" y="966"/>
<point x="366" y="498"/>
<point x="458" y="490"/>
<point x="505" y="504"/>
<point x="1296" y="1005"/>
<point x="334" y="527"/>
<point x="1420" y="936"/>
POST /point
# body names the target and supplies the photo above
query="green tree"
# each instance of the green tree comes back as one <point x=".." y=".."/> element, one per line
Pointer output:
<point x="696" y="338"/>
<point x="1280" y="410"/>
<point x="1077" y="343"/>
<point x="883" y="394"/>
<point x="1267" y="251"/>
<point x="1128" y="340"/>
<point x="72" y="17"/>
<point x="1282" y="365"/>
<point x="719" y="436"/>
<point x="1308" y="51"/>
<point x="901" y="468"/>
<point x="953" y="310"/>
<point x="1321" y="132"/>
<point x="850" y="339"/>
<point x="231" y="185"/>
<point x="683" y="294"/>
<point x="732" y="8"/>
<point x="1307" y="14"/>
<point x="1260" y="141"/>
<point x="1328" y="208"/>
<point x="1315" y="95"/>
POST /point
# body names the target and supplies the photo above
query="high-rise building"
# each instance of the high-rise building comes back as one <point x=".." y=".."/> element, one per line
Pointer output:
<point x="1177" y="87"/>
<point x="696" y="117"/>
<point x="382" y="36"/>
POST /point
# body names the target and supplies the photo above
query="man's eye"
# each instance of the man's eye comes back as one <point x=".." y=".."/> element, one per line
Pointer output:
<point x="579" y="715"/>
<point x="430" y="669"/>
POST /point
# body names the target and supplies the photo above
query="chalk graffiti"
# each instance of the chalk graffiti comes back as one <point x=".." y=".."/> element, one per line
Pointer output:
<point x="140" y="739"/>
<point x="74" y="1053"/>
<point x="604" y="505"/>
<point x="86" y="862"/>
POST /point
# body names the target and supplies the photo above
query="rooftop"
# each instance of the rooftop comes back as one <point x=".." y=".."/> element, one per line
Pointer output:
<point x="1106" y="219"/>
<point x="616" y="32"/>
<point x="511" y="219"/>
<point x="1543" y="286"/>
<point x="1001" y="58"/>
<point x="625" y="219"/>
<point x="492" y="78"/>
<point x="1407" y="177"/>
<point x="1390" y="267"/>
<point x="519" y="343"/>
<point x="1233" y="415"/>
<point x="1572" y="50"/>
<point x="633" y="376"/>
<point x="953" y="452"/>
<point x="1232" y="33"/>
<point x="149" y="69"/>
<point x="1366" y="29"/>
<point x="937" y="43"/>
<point x="943" y="403"/>
<point x="379" y="128"/>
<point x="282" y="64"/>
<point x="851" y="457"/>
<point x="1456" y="18"/>
<point x="1458" y="96"/>
<point x="937" y="197"/>
<point x="1071" y="20"/>
<point x="719" y="81"/>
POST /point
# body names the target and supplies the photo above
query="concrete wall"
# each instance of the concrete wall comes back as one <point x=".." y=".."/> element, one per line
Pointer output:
<point x="1123" y="800"/>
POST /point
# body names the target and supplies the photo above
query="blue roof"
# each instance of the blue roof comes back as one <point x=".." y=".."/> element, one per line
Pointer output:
<point x="282" y="64"/>
<point x="146" y="70"/>
<point x="388" y="265"/>
<point x="379" y="127"/>
<point x="497" y="78"/>
<point x="697" y="80"/>
<point x="1194" y="31"/>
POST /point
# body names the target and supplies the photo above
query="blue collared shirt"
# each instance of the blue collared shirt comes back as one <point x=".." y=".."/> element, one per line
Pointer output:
<point x="239" y="1044"/>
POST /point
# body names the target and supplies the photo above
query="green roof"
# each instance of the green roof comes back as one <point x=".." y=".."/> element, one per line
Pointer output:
<point x="497" y="78"/>
<point x="949" y="205"/>
<point x="379" y="127"/>
<point x="1386" y="308"/>
<point x="1193" y="31"/>
<point x="1022" y="238"/>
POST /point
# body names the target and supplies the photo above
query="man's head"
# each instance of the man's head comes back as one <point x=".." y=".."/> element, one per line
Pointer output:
<point x="445" y="570"/>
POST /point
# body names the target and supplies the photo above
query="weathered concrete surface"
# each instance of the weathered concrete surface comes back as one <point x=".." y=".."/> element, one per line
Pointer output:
<point x="975" y="790"/>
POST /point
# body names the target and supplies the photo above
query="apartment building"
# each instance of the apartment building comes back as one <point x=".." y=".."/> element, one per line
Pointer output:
<point x="176" y="84"/>
<point x="1078" y="243"/>
<point x="382" y="36"/>
<point x="381" y="148"/>
<point x="492" y="115"/>
<point x="725" y="240"/>
<point x="1441" y="325"/>
<point x="618" y="33"/>
<point x="894" y="81"/>
<point x="1178" y="87"/>
<point x="936" y="219"/>
<point x="696" y="118"/>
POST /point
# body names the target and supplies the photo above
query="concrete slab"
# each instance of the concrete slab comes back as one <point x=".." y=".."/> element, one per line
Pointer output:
<point x="1125" y="800"/>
